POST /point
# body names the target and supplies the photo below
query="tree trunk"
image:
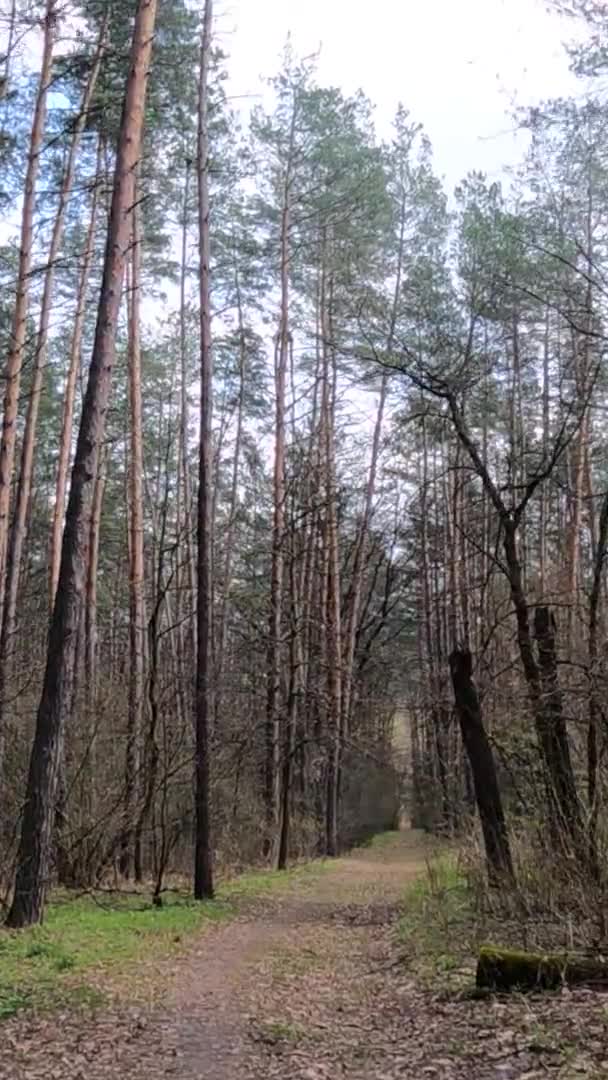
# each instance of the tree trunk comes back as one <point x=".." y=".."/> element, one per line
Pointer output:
<point x="24" y="486"/>
<point x="544" y="498"/>
<point x="485" y="780"/>
<point x="183" y="423"/>
<point x="595" y="705"/>
<point x="33" y="863"/>
<point x="137" y="602"/>
<point x="90" y="635"/>
<point x="14" y="363"/>
<point x="234" y="495"/>
<point x="274" y="659"/>
<point x="334" y="597"/>
<point x="203" y="858"/>
<point x="562" y="793"/>
<point x="510" y="969"/>
<point x="295" y="689"/>
<point x="67" y="425"/>
<point x="574" y="543"/>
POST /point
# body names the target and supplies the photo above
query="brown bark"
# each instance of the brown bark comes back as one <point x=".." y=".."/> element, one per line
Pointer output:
<point x="562" y="788"/>
<point x="595" y="696"/>
<point x="90" y="629"/>
<point x="274" y="658"/>
<point x="14" y="362"/>
<point x="485" y="780"/>
<point x="67" y="424"/>
<point x="33" y="864"/>
<point x="574" y="539"/>
<point x="185" y="480"/>
<point x="510" y="969"/>
<point x="203" y="860"/>
<point x="137" y="603"/>
<point x="293" y="702"/>
<point x="428" y="637"/>
<point x="18" y="530"/>
<point x="234" y="490"/>
<point x="309" y="583"/>
<point x="334" y="598"/>
<point x="544" y="498"/>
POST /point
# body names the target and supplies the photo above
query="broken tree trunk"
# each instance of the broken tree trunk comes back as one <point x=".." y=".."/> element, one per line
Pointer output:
<point x="566" y="817"/>
<point x="481" y="758"/>
<point x="510" y="969"/>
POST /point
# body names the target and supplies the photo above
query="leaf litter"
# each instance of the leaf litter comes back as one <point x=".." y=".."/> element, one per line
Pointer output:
<point x="310" y="983"/>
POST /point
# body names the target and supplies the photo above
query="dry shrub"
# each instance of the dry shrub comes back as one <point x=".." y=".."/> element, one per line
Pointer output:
<point x="557" y="904"/>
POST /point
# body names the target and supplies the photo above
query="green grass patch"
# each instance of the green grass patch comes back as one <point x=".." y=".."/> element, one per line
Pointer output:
<point x="46" y="966"/>
<point x="43" y="966"/>
<point x="264" y="882"/>
<point x="437" y="925"/>
<point x="383" y="840"/>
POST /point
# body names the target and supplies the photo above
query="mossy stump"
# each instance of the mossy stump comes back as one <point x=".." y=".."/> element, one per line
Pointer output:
<point x="510" y="969"/>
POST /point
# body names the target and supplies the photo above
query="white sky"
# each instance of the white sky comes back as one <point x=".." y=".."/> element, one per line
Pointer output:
<point x="457" y="65"/>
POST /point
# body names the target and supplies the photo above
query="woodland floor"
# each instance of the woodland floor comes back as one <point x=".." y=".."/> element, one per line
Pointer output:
<point x="310" y="981"/>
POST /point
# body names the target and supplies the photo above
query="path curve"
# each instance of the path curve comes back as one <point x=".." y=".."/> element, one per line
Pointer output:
<point x="248" y="996"/>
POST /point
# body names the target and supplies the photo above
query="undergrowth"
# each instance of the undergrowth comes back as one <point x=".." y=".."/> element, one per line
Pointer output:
<point x="46" y="966"/>
<point x="438" y="928"/>
<point x="450" y="912"/>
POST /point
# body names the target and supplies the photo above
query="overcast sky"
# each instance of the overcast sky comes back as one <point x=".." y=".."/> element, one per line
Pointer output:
<point x="457" y="65"/>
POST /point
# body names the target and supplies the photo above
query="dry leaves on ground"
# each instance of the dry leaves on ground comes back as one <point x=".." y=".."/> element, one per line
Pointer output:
<point x="310" y="984"/>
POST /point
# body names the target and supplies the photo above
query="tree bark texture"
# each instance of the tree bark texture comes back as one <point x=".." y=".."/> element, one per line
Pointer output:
<point x="33" y="863"/>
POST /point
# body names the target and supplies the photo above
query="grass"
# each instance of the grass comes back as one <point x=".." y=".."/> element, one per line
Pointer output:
<point x="277" y="1031"/>
<point x="382" y="840"/>
<point x="260" y="883"/>
<point x="47" y="966"/>
<point x="437" y="922"/>
<point x="43" y="966"/>
<point x="59" y="963"/>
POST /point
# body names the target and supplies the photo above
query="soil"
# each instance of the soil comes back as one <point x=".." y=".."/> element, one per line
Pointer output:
<point x="308" y="983"/>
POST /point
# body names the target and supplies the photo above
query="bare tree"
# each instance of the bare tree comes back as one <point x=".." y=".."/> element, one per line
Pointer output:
<point x="281" y="360"/>
<point x="67" y="426"/>
<point x="33" y="865"/>
<point x="137" y="604"/>
<point x="18" y="530"/>
<point x="203" y="859"/>
<point x="14" y="363"/>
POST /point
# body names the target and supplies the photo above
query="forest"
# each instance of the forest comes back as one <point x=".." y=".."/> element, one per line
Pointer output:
<point x="303" y="482"/>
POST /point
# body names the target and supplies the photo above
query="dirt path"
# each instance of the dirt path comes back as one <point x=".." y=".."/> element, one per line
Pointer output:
<point x="247" y="996"/>
<point x="304" y="985"/>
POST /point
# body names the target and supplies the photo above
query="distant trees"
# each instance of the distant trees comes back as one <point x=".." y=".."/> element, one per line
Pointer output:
<point x="266" y="615"/>
<point x="33" y="865"/>
<point x="509" y="375"/>
<point x="18" y="332"/>
<point x="352" y="432"/>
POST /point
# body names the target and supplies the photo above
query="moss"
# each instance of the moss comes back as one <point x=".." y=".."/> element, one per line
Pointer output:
<point x="513" y="969"/>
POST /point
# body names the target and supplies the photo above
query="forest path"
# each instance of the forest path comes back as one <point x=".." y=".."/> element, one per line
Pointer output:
<point x="254" y="1002"/>
<point x="308" y="981"/>
<point x="284" y="989"/>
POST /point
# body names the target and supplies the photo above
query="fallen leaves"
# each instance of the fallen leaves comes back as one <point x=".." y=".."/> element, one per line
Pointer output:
<point x="310" y="985"/>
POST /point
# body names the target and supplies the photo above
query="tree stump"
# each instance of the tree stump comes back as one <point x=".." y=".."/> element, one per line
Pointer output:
<point x="510" y="969"/>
